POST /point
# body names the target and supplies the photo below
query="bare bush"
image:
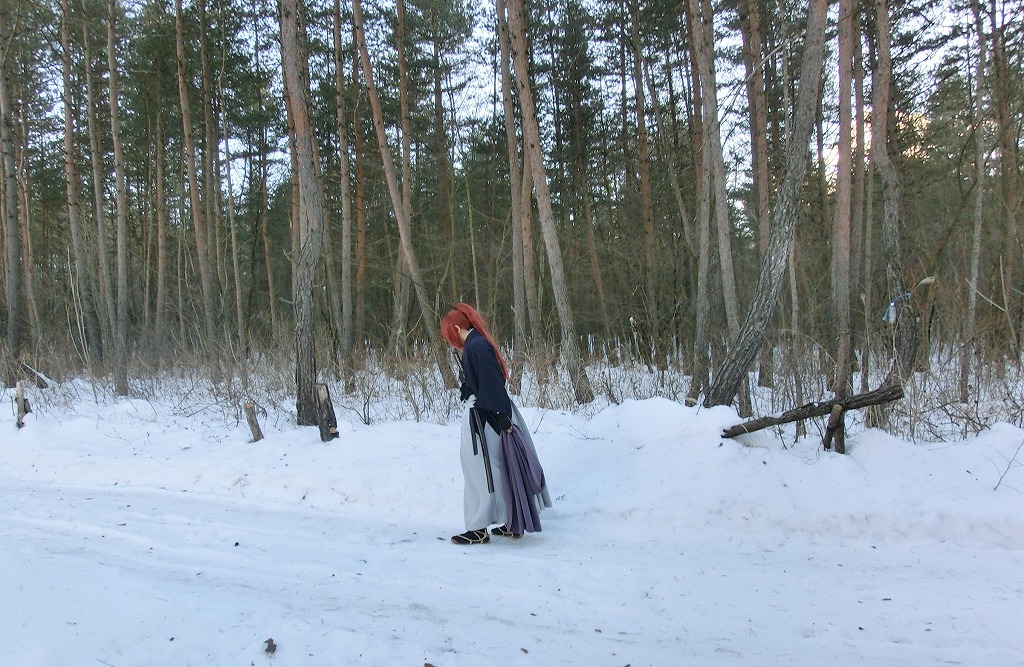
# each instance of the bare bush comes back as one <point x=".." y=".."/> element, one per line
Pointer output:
<point x="388" y="388"/>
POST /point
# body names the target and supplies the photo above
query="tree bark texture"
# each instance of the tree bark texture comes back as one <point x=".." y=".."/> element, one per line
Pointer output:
<point x="105" y="281"/>
<point x="10" y="204"/>
<point x="199" y="218"/>
<point x="651" y="264"/>
<point x="397" y="200"/>
<point x="904" y="330"/>
<point x="753" y="62"/>
<point x="570" y="350"/>
<point x="515" y="172"/>
<point x="311" y="212"/>
<point x="121" y="206"/>
<point x="86" y="308"/>
<point x="733" y="369"/>
<point x="885" y="394"/>
<point x="968" y="342"/>
<point x="344" y="178"/>
<point x="843" y="210"/>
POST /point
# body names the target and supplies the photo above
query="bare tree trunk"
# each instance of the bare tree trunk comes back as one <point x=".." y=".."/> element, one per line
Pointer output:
<point x="670" y="150"/>
<point x="401" y="303"/>
<point x="669" y="145"/>
<point x="236" y="272"/>
<point x="702" y="302"/>
<point x="595" y="262"/>
<point x="905" y="327"/>
<point x="841" y="226"/>
<point x="179" y="268"/>
<point x="198" y="213"/>
<point x="90" y="330"/>
<point x="530" y="284"/>
<point x="345" y="350"/>
<point x="106" y="286"/>
<point x="121" y="194"/>
<point x="264" y="201"/>
<point x="570" y="350"/>
<point x="311" y="211"/>
<point x="869" y="304"/>
<point x="968" y="342"/>
<point x="704" y="54"/>
<point x="294" y="213"/>
<point x="446" y="222"/>
<point x="795" y="343"/>
<point x="858" y="222"/>
<point x="272" y="290"/>
<point x="397" y="200"/>
<point x="515" y="171"/>
<point x="211" y="186"/>
<point x="402" y="291"/>
<point x="360" y="205"/>
<point x="651" y="268"/>
<point x="28" y="264"/>
<point x="1008" y="122"/>
<point x="333" y="296"/>
<point x="10" y="206"/>
<point x="753" y="50"/>
<point x="734" y="367"/>
<point x="160" y="307"/>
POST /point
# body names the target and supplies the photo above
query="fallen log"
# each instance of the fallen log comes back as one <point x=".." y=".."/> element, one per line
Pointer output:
<point x="886" y="394"/>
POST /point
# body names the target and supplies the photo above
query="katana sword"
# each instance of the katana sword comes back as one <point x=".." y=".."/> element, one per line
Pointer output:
<point x="476" y="428"/>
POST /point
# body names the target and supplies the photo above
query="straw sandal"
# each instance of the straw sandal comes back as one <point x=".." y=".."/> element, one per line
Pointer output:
<point x="504" y="531"/>
<point x="472" y="537"/>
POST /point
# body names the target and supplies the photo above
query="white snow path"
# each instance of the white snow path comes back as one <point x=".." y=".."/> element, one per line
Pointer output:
<point x="122" y="544"/>
<point x="145" y="576"/>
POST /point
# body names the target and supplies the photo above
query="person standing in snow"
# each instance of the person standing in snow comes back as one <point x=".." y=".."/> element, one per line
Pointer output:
<point x="484" y="373"/>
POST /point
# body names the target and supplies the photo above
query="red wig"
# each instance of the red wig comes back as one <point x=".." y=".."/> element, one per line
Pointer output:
<point x="466" y="316"/>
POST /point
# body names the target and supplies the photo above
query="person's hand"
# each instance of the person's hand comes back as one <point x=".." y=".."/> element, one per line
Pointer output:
<point x="504" y="423"/>
<point x="465" y="392"/>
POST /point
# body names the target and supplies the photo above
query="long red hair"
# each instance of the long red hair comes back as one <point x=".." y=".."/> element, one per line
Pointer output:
<point x="466" y="316"/>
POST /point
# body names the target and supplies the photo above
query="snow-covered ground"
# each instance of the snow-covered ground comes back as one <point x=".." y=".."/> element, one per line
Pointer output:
<point x="134" y="534"/>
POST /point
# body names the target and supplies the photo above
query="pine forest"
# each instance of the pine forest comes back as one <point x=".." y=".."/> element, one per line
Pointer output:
<point x="752" y="203"/>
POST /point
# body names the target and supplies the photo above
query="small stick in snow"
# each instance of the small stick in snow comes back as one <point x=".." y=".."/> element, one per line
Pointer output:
<point x="1009" y="464"/>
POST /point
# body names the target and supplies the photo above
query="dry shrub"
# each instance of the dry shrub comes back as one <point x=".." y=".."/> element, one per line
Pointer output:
<point x="382" y="388"/>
